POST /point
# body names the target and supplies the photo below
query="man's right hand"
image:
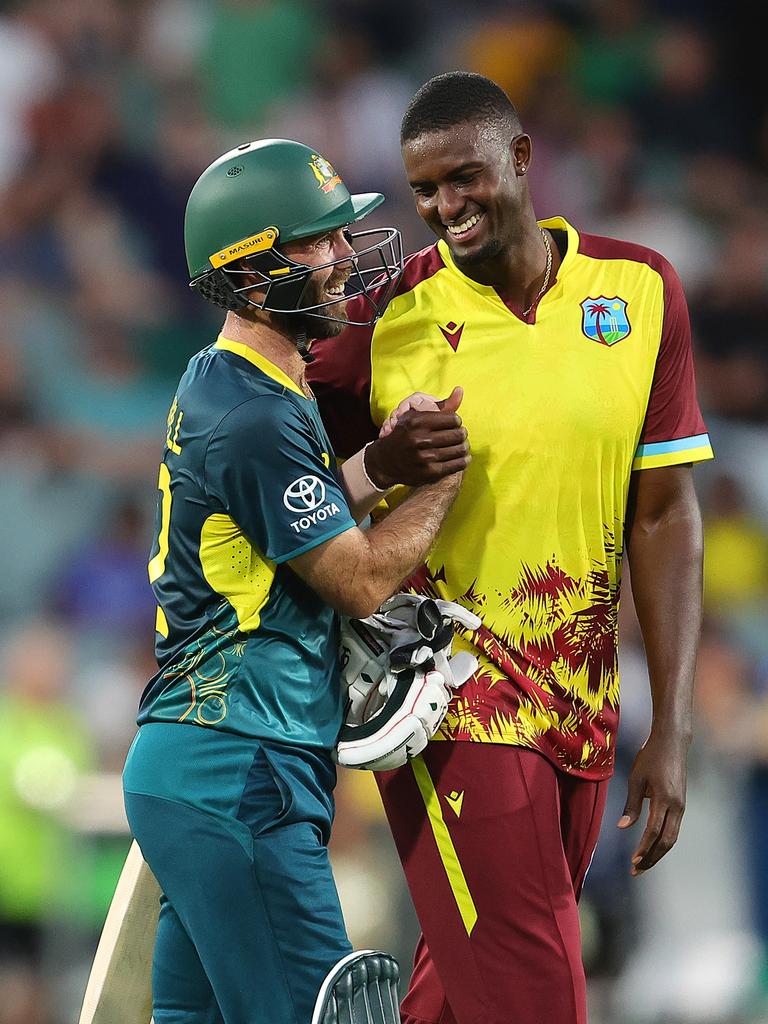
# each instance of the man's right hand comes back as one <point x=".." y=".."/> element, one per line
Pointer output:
<point x="423" y="441"/>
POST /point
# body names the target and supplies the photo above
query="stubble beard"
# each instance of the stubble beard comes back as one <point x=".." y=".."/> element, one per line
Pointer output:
<point x="488" y="251"/>
<point x="317" y="327"/>
<point x="312" y="325"/>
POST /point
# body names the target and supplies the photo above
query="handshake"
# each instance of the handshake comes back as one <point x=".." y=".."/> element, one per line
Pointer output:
<point x="421" y="441"/>
<point x="398" y="675"/>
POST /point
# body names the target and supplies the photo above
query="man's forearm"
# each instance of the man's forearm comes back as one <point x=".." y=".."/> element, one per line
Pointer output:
<point x="359" y="569"/>
<point x="665" y="557"/>
<point x="399" y="544"/>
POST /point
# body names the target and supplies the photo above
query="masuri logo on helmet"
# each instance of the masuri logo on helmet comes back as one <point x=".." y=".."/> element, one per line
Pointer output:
<point x="248" y="246"/>
<point x="235" y="224"/>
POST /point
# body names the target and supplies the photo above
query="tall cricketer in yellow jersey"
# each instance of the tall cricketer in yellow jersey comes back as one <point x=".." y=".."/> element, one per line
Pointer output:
<point x="561" y="407"/>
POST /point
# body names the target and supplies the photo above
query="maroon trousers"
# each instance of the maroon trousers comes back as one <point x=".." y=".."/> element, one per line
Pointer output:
<point x="495" y="843"/>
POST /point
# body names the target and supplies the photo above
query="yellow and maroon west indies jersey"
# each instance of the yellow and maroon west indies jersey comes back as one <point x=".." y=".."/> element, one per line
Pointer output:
<point x="560" y="408"/>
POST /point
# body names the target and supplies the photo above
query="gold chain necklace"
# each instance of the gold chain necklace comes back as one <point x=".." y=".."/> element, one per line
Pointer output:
<point x="545" y="282"/>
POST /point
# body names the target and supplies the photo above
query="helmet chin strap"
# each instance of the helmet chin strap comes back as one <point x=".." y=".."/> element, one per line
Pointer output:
<point x="300" y="338"/>
<point x="303" y="346"/>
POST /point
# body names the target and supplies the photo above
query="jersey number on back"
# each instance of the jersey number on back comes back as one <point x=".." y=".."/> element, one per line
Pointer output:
<point x="156" y="565"/>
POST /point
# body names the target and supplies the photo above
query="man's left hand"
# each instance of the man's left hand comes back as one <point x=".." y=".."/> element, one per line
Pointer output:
<point x="660" y="775"/>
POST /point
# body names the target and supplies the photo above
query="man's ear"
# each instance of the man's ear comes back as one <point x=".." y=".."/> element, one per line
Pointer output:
<point x="522" y="153"/>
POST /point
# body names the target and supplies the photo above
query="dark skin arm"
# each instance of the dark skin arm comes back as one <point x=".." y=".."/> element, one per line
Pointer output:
<point x="664" y="546"/>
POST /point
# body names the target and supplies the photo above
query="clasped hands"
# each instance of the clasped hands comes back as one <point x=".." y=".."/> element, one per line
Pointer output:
<point x="420" y="442"/>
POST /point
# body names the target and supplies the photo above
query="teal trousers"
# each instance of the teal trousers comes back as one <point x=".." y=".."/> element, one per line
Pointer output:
<point x="236" y="833"/>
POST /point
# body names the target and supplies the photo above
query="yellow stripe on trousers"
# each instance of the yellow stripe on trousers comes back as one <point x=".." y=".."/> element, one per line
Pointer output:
<point x="445" y="847"/>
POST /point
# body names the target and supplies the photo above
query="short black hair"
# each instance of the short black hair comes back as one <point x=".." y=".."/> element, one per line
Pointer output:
<point x="459" y="97"/>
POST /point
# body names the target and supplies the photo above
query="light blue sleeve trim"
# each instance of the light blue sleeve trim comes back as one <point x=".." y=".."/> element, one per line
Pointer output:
<point x="680" y="444"/>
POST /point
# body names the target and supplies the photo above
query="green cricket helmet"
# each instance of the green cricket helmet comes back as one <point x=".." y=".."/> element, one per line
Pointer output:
<point x="253" y="200"/>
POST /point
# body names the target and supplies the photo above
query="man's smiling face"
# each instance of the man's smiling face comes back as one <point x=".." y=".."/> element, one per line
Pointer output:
<point x="468" y="186"/>
<point x="325" y="285"/>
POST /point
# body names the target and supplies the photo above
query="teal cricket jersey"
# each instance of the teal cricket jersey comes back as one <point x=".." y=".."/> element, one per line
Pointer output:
<point x="248" y="481"/>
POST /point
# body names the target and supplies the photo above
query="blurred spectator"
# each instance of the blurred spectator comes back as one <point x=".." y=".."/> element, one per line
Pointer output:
<point x="394" y="30"/>
<point x="658" y="219"/>
<point x="29" y="70"/>
<point x="735" y="551"/>
<point x="368" y="872"/>
<point x="17" y="431"/>
<point x="104" y="587"/>
<point x="257" y="52"/>
<point x="109" y="408"/>
<point x="566" y="181"/>
<point x="610" y="901"/>
<point x="42" y="509"/>
<point x="43" y="750"/>
<point x="351" y="108"/>
<point x="730" y="319"/>
<point x="723" y="189"/>
<point x="756" y="833"/>
<point x="171" y="38"/>
<point x="613" y="61"/>
<point x="690" y="107"/>
<point x="108" y="685"/>
<point x="695" y="955"/>
<point x="518" y="51"/>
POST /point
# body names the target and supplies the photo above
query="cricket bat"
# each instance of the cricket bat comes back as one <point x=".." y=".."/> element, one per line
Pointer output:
<point x="119" y="989"/>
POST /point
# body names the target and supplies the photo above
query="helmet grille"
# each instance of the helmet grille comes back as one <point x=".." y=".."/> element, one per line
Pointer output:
<point x="215" y="288"/>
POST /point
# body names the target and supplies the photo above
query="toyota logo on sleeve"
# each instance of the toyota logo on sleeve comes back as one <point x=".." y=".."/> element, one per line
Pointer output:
<point x="305" y="494"/>
<point x="306" y="497"/>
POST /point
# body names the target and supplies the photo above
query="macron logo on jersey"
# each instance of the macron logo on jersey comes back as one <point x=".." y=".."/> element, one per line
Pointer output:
<point x="306" y="496"/>
<point x="452" y="333"/>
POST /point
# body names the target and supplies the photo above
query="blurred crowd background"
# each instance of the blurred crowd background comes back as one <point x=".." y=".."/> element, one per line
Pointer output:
<point x="650" y="123"/>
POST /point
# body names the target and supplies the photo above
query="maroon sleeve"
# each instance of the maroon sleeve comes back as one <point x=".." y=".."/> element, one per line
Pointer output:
<point x="340" y="373"/>
<point x="340" y="376"/>
<point x="673" y="409"/>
